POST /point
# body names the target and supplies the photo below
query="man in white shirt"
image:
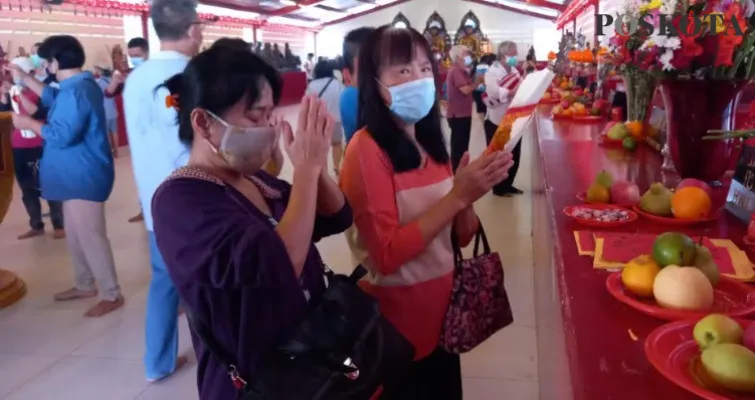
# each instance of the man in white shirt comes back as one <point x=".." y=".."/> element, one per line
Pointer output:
<point x="309" y="65"/>
<point x="502" y="80"/>
<point x="156" y="152"/>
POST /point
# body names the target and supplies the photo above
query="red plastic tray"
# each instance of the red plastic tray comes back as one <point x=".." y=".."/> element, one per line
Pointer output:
<point x="569" y="212"/>
<point x="730" y="297"/>
<point x="559" y="117"/>
<point x="677" y="221"/>
<point x="582" y="196"/>
<point x="588" y="119"/>
<point x="672" y="350"/>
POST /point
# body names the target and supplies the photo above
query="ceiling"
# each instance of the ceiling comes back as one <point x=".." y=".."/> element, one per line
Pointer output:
<point x="313" y="13"/>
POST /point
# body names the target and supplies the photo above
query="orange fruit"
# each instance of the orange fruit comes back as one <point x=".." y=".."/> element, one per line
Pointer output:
<point x="635" y="129"/>
<point x="639" y="274"/>
<point x="690" y="203"/>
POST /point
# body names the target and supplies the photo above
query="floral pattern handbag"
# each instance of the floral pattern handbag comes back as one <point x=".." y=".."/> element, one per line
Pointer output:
<point x="479" y="304"/>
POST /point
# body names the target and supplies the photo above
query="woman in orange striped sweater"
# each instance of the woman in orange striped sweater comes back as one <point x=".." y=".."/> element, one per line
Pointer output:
<point x="397" y="177"/>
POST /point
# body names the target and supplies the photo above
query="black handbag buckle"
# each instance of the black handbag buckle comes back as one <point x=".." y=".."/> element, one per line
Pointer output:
<point x="354" y="373"/>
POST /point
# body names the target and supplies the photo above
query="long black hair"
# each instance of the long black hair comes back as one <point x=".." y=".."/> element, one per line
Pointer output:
<point x="218" y="78"/>
<point x="384" y="47"/>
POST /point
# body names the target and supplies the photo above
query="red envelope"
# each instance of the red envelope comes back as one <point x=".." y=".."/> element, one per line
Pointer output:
<point x="721" y="256"/>
<point x="623" y="247"/>
<point x="585" y="242"/>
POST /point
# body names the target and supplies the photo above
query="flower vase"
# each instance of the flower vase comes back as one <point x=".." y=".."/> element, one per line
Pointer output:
<point x="692" y="108"/>
<point x="640" y="87"/>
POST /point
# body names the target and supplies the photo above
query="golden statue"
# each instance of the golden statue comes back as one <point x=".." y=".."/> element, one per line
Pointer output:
<point x="12" y="288"/>
<point x="440" y="42"/>
<point x="470" y="35"/>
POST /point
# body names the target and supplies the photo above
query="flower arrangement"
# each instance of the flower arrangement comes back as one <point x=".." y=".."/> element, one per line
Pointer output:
<point x="698" y="39"/>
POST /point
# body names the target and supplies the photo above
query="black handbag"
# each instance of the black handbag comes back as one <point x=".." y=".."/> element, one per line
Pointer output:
<point x="343" y="349"/>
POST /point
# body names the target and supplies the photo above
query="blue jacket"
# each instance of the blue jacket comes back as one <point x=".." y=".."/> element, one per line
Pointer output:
<point x="350" y="111"/>
<point x="77" y="163"/>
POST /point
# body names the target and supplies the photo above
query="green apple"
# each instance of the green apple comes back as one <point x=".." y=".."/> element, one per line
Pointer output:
<point x="716" y="329"/>
<point x="730" y="365"/>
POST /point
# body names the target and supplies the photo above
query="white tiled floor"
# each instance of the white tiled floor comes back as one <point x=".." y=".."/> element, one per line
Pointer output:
<point x="49" y="350"/>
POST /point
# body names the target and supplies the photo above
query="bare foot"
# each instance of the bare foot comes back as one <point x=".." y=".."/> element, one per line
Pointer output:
<point x="32" y="233"/>
<point x="73" y="294"/>
<point x="180" y="362"/>
<point x="136" y="218"/>
<point x="104" y="306"/>
<point x="58" y="234"/>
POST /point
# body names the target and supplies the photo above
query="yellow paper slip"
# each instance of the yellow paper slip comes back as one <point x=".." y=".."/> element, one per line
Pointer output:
<point x="598" y="261"/>
<point x="745" y="270"/>
<point x="579" y="238"/>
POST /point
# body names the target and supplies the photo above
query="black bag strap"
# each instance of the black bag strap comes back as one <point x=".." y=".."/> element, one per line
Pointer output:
<point x="325" y="88"/>
<point x="480" y="237"/>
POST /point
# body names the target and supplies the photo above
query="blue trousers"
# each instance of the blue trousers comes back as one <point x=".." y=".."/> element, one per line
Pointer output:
<point x="161" y="327"/>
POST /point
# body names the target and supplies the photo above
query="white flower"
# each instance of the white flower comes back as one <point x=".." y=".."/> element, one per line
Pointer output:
<point x="667" y="42"/>
<point x="665" y="60"/>
<point x="668" y="7"/>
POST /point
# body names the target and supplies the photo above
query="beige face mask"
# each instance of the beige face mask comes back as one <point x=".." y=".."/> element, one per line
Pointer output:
<point x="246" y="150"/>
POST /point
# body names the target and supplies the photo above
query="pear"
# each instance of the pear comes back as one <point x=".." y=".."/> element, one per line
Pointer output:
<point x="730" y="365"/>
<point x="657" y="200"/>
<point x="605" y="179"/>
<point x="617" y="132"/>
<point x="716" y="329"/>
<point x="705" y="263"/>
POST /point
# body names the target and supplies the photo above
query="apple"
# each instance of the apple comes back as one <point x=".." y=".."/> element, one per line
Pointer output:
<point x="716" y="329"/>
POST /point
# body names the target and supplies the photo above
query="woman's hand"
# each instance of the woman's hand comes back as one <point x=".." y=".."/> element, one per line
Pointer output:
<point x="310" y="146"/>
<point x="474" y="179"/>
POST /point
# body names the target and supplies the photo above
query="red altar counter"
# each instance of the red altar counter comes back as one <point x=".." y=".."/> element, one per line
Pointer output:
<point x="294" y="86"/>
<point x="585" y="348"/>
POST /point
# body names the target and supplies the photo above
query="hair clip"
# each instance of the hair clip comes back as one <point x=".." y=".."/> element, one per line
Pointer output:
<point x="171" y="101"/>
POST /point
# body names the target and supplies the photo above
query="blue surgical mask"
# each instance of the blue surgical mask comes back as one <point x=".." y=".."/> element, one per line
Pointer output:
<point x="511" y="61"/>
<point x="36" y="60"/>
<point x="412" y="101"/>
<point x="136" y="61"/>
<point x="468" y="60"/>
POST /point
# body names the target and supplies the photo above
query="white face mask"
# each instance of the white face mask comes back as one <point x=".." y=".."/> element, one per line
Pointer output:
<point x="246" y="150"/>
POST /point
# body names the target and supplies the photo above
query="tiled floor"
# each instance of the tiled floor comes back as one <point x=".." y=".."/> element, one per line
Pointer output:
<point x="49" y="350"/>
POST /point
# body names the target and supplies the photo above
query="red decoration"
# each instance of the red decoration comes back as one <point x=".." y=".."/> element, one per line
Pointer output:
<point x="574" y="9"/>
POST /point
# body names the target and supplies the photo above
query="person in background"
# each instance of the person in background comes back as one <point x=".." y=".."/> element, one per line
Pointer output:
<point x="5" y="88"/>
<point x="406" y="202"/>
<point x="76" y="167"/>
<point x="156" y="152"/>
<point x="478" y="72"/>
<point x="501" y="83"/>
<point x="103" y="77"/>
<point x="309" y="65"/>
<point x="138" y="51"/>
<point x="326" y="87"/>
<point x="239" y="243"/>
<point x="27" y="153"/>
<point x="36" y="60"/>
<point x="459" y="87"/>
<point x="337" y="66"/>
<point x="349" y="107"/>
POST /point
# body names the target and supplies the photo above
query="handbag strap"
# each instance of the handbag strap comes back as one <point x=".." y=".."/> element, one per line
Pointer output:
<point x="325" y="88"/>
<point x="480" y="238"/>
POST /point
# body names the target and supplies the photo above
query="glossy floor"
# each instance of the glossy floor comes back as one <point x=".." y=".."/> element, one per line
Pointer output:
<point x="49" y="350"/>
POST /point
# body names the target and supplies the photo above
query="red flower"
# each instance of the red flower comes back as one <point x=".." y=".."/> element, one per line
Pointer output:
<point x="729" y="40"/>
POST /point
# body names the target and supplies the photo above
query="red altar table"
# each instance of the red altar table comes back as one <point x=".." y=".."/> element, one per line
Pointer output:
<point x="585" y="348"/>
<point x="294" y="86"/>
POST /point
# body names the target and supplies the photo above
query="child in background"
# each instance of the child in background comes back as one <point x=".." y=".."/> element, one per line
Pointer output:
<point x="349" y="107"/>
<point x="103" y="76"/>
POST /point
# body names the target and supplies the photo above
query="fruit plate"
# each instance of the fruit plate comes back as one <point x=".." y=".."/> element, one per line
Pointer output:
<point x="730" y="297"/>
<point x="672" y="350"/>
<point x="588" y="119"/>
<point x="573" y="211"/>
<point x="677" y="221"/>
<point x="582" y="196"/>
<point x="561" y="117"/>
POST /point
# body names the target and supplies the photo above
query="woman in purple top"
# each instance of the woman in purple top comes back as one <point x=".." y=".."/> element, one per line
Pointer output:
<point x="239" y="243"/>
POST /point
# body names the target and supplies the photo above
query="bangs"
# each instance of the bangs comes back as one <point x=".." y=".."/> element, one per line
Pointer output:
<point x="398" y="46"/>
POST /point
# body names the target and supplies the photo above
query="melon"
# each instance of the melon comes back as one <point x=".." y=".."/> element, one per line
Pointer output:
<point x="683" y="288"/>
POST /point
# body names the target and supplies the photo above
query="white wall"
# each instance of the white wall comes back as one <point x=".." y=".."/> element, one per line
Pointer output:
<point x="497" y="24"/>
